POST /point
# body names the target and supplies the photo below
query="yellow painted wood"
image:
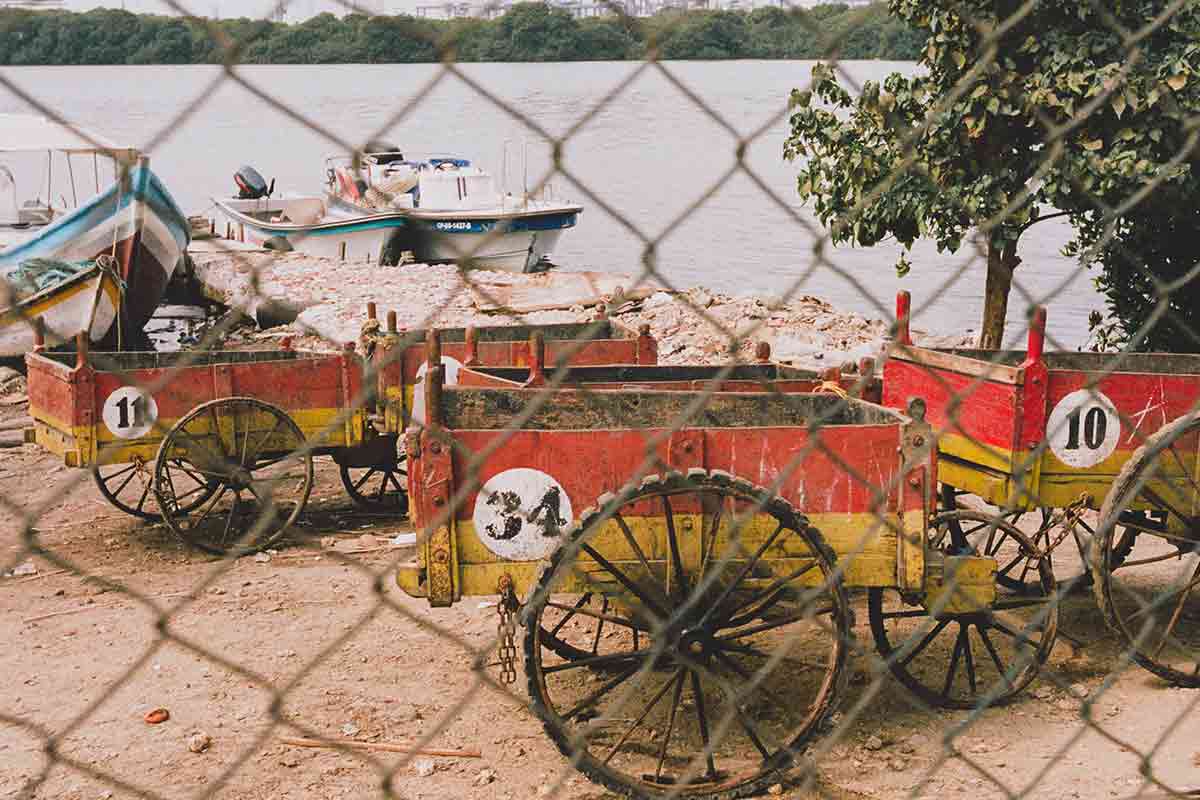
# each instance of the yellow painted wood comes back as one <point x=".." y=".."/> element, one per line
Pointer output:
<point x="961" y="584"/>
<point x="866" y="546"/>
<point x="319" y="426"/>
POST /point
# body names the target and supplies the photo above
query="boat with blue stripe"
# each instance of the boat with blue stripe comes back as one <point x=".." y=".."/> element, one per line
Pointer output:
<point x="384" y="207"/>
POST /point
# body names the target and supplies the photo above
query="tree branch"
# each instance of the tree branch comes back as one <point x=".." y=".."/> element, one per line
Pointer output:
<point x="1033" y="222"/>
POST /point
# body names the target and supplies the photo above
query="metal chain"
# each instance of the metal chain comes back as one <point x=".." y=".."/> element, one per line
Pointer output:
<point x="1066" y="520"/>
<point x="506" y="631"/>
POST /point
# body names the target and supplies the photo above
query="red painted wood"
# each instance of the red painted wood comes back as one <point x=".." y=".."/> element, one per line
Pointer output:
<point x="956" y="404"/>
<point x="839" y="474"/>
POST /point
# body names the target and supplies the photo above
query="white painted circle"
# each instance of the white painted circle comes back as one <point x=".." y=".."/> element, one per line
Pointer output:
<point x="452" y="366"/>
<point x="1084" y="428"/>
<point x="520" y="513"/>
<point x="130" y="412"/>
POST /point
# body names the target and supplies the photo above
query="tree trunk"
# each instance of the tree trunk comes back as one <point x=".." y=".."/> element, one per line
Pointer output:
<point x="1000" y="265"/>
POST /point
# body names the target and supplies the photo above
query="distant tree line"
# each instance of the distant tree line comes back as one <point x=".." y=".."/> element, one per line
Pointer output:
<point x="529" y="32"/>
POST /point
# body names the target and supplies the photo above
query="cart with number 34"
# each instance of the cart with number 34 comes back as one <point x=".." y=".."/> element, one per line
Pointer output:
<point x="680" y="561"/>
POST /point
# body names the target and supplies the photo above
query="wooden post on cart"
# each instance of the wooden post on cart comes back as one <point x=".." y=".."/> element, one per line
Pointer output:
<point x="537" y="360"/>
<point x="433" y="468"/>
<point x="647" y="346"/>
<point x="471" y="347"/>
<point x="1031" y="413"/>
<point x="903" y="335"/>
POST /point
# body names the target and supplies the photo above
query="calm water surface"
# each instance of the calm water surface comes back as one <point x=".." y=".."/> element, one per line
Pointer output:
<point x="637" y="162"/>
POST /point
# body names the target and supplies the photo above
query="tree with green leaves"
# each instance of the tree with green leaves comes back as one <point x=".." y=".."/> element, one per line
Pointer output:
<point x="1021" y="112"/>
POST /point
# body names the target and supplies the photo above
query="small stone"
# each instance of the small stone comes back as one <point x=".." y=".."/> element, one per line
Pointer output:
<point x="26" y="568"/>
<point x="350" y="729"/>
<point x="157" y="716"/>
<point x="262" y="558"/>
<point x="897" y="764"/>
<point x="1079" y="690"/>
<point x="776" y="789"/>
<point x="423" y="767"/>
<point x="199" y="742"/>
<point x="485" y="776"/>
<point x="216" y="590"/>
<point x="873" y="743"/>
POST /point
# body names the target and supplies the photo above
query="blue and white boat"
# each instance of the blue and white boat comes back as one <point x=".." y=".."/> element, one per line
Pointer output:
<point x="92" y="252"/>
<point x="392" y="209"/>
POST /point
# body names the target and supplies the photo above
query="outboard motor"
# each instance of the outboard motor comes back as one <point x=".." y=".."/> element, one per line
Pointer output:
<point x="383" y="152"/>
<point x="251" y="185"/>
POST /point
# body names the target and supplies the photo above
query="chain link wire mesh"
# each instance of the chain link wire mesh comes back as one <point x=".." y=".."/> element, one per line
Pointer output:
<point x="713" y="582"/>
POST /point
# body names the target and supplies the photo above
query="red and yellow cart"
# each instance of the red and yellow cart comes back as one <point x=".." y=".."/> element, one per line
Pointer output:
<point x="219" y="444"/>
<point x="1056" y="435"/>
<point x="683" y="560"/>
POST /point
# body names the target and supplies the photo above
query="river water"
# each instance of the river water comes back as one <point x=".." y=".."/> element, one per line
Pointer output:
<point x="637" y="161"/>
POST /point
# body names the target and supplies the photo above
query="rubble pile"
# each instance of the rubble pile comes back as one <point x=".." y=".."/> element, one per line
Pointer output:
<point x="323" y="304"/>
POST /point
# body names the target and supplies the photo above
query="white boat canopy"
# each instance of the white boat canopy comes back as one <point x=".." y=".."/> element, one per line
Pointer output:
<point x="23" y="133"/>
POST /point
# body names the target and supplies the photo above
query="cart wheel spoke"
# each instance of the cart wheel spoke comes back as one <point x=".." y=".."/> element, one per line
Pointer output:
<point x="969" y="659"/>
<point x="952" y="669"/>
<point x="702" y="720"/>
<point x="666" y="741"/>
<point x="929" y="637"/>
<point x="673" y="542"/>
<point x="612" y="726"/>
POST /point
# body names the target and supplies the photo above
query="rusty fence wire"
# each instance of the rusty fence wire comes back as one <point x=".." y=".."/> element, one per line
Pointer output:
<point x="934" y="571"/>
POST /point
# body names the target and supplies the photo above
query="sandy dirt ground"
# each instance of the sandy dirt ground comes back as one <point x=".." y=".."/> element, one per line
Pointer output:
<point x="244" y="652"/>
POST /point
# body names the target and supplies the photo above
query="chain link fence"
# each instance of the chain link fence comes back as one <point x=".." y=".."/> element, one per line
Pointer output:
<point x="933" y="571"/>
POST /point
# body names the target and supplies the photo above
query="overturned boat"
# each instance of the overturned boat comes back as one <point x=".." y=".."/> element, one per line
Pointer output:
<point x="97" y="264"/>
<point x="391" y="208"/>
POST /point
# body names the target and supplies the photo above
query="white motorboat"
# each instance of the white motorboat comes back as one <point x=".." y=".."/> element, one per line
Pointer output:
<point x="391" y="208"/>
<point x="79" y="263"/>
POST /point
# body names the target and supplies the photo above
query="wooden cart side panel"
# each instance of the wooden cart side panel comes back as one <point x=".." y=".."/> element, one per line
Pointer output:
<point x="974" y="420"/>
<point x="1143" y="403"/>
<point x="851" y="515"/>
<point x="54" y="405"/>
<point x="314" y="392"/>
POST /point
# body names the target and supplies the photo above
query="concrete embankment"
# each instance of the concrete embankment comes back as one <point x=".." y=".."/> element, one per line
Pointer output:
<point x="323" y="305"/>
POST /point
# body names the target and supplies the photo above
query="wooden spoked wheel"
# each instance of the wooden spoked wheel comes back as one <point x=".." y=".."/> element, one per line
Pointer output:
<point x="726" y="635"/>
<point x="256" y="458"/>
<point x="381" y="488"/>
<point x="1152" y="601"/>
<point x="130" y="487"/>
<point x="983" y="657"/>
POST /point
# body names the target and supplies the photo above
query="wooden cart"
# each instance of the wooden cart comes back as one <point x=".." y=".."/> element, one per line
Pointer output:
<point x="683" y="559"/>
<point x="219" y="444"/>
<point x="1054" y="435"/>
<point x="377" y="481"/>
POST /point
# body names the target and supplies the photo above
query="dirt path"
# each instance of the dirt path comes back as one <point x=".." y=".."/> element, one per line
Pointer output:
<point x="351" y="657"/>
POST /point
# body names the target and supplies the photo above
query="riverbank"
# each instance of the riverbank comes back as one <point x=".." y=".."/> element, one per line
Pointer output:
<point x="322" y="303"/>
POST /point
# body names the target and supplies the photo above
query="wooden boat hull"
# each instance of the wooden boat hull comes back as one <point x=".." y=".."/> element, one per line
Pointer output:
<point x="85" y="302"/>
<point x="136" y="221"/>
